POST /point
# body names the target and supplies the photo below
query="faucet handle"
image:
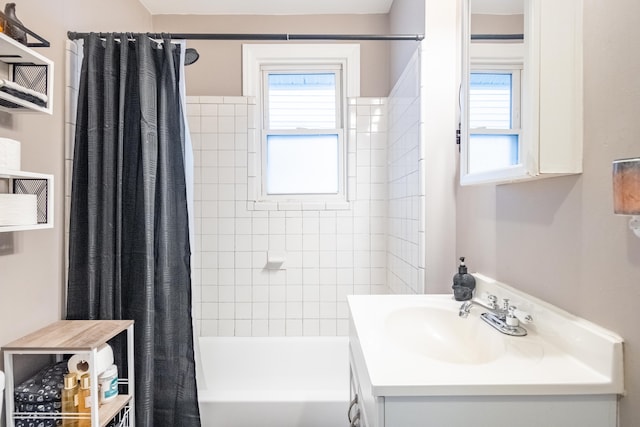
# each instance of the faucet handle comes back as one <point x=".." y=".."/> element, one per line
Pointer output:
<point x="493" y="301"/>
<point x="511" y="318"/>
<point x="523" y="316"/>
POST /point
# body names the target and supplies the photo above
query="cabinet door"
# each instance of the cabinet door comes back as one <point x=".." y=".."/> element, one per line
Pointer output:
<point x="521" y="90"/>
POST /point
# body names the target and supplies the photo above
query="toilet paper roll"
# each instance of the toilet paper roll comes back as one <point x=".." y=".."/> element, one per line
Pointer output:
<point x="79" y="363"/>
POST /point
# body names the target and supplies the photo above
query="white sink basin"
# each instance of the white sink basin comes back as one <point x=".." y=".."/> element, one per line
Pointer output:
<point x="417" y="345"/>
<point x="439" y="333"/>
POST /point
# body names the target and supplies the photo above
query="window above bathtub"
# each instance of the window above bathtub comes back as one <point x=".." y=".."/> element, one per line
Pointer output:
<point x="297" y="154"/>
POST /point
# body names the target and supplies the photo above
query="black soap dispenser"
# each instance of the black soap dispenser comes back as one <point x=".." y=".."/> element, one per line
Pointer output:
<point x="463" y="283"/>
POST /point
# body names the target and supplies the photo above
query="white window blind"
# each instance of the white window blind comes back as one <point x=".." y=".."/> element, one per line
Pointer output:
<point x="301" y="100"/>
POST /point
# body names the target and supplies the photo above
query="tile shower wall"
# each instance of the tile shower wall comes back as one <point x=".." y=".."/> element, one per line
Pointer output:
<point x="406" y="222"/>
<point x="329" y="253"/>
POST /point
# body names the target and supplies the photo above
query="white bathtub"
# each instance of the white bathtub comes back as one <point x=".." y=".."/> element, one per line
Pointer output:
<point x="273" y="382"/>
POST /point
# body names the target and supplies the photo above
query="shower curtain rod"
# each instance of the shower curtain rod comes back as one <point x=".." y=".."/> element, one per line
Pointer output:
<point x="497" y="36"/>
<point x="286" y="37"/>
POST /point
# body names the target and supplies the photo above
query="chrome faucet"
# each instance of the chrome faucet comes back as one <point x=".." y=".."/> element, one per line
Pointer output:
<point x="492" y="306"/>
<point x="505" y="319"/>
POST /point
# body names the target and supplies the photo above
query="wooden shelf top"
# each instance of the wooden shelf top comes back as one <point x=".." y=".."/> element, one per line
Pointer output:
<point x="69" y="336"/>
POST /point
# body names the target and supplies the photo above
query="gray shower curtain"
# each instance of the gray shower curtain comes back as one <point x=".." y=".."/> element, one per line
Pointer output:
<point x="129" y="255"/>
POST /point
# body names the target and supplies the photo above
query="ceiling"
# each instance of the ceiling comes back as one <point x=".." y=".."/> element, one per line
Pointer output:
<point x="265" y="7"/>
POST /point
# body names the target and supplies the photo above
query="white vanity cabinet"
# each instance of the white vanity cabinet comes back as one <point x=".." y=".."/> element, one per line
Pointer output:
<point x="566" y="372"/>
<point x="464" y="411"/>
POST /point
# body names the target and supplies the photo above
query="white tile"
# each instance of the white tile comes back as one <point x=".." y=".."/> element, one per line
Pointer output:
<point x="310" y="259"/>
<point x="260" y="310"/>
<point x="209" y="243"/>
<point x="260" y="226"/>
<point x="277" y="327"/>
<point x="208" y="124"/>
<point x="226" y="328"/>
<point x="211" y="99"/>
<point x="208" y="109"/>
<point x="226" y="124"/>
<point x="243" y="276"/>
<point x="261" y="245"/>
<point x="310" y="277"/>
<point x="311" y="327"/>
<point x="277" y="310"/>
<point x="344" y="259"/>
<point x="328" y="242"/>
<point x="210" y="277"/>
<point x="226" y="141"/>
<point x="277" y="225"/>
<point x="313" y="206"/>
<point x="226" y="175"/>
<point x="209" y="175"/>
<point x="328" y="327"/>
<point x="294" y="292"/>
<point x="293" y="258"/>
<point x="209" y="310"/>
<point x="226" y="310"/>
<point x="243" y="226"/>
<point x="293" y="225"/>
<point x="328" y="276"/>
<point x="209" y="328"/>
<point x="235" y="100"/>
<point x="243" y="294"/>
<point x="226" y="110"/>
<point x="294" y="327"/>
<point x="277" y="242"/>
<point x="259" y="328"/>
<point x="209" y="141"/>
<point x="226" y="225"/>
<point x="242" y="328"/>
<point x="289" y="206"/>
<point x="243" y="260"/>
<point x="294" y="310"/>
<point x="310" y="225"/>
<point x="242" y="310"/>
<point x="342" y="328"/>
<point x="226" y="158"/>
<point x="326" y="259"/>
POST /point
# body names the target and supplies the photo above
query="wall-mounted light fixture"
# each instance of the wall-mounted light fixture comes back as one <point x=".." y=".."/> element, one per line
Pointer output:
<point x="626" y="190"/>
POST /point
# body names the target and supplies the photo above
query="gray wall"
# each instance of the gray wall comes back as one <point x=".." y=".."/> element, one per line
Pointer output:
<point x="558" y="239"/>
<point x="219" y="69"/>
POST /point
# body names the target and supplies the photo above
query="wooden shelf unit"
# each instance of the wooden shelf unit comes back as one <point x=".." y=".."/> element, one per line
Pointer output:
<point x="76" y="336"/>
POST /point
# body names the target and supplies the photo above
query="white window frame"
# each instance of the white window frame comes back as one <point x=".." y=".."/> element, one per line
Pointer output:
<point x="257" y="57"/>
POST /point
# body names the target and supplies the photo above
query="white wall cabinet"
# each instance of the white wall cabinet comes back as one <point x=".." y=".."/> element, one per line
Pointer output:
<point x="547" y="107"/>
<point x="71" y="337"/>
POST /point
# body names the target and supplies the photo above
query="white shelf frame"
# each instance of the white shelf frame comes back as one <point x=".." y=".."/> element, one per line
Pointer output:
<point x="13" y="53"/>
<point x="12" y="175"/>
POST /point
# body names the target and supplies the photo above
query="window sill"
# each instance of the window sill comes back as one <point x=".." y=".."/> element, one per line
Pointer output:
<point x="298" y="206"/>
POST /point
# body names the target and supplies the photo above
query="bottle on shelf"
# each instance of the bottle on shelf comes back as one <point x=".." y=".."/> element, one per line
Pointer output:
<point x="84" y="401"/>
<point x="70" y="400"/>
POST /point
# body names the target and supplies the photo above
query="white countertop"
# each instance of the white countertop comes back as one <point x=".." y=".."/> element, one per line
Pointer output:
<point x="530" y="365"/>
